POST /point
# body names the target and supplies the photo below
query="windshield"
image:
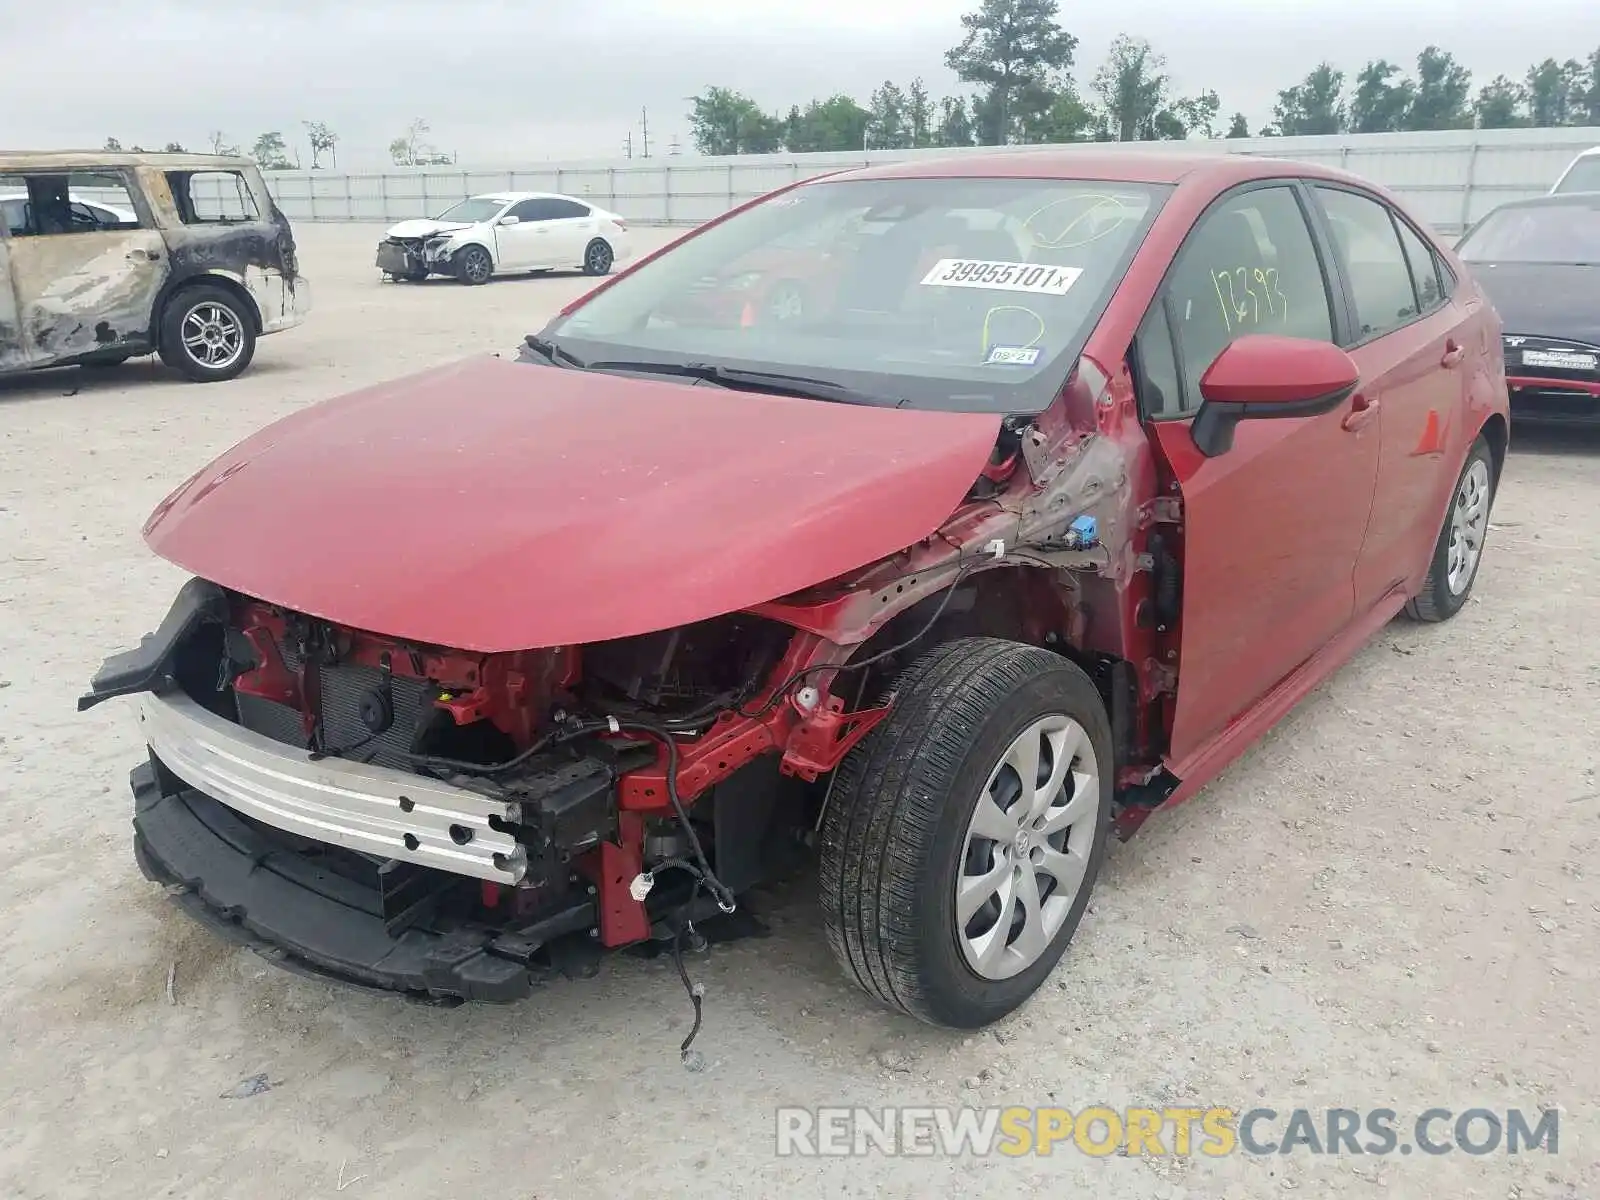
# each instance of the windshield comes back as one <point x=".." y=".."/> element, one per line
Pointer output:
<point x="472" y="211"/>
<point x="1584" y="176"/>
<point x="972" y="294"/>
<point x="1568" y="232"/>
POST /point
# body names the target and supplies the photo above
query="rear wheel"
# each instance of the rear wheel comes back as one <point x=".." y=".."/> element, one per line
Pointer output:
<point x="208" y="334"/>
<point x="598" y="258"/>
<point x="473" y="265"/>
<point x="964" y="835"/>
<point x="1457" y="554"/>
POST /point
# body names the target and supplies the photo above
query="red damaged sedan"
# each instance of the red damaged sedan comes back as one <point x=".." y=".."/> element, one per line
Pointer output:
<point x="1080" y="472"/>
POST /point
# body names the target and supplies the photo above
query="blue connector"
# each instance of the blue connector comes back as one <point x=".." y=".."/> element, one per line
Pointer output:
<point x="1083" y="533"/>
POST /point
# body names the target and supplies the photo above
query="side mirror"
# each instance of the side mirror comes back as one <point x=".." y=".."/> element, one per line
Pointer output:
<point x="509" y="221"/>
<point x="1262" y="376"/>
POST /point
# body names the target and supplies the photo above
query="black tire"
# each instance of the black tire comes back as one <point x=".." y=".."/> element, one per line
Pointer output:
<point x="187" y="308"/>
<point x="474" y="266"/>
<point x="1438" y="600"/>
<point x="598" y="257"/>
<point x="895" y="829"/>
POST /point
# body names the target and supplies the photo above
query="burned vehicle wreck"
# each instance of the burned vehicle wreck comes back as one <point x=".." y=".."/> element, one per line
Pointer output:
<point x="108" y="256"/>
<point x="902" y="577"/>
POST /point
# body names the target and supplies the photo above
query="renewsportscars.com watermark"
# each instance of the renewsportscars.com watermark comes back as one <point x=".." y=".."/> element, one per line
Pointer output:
<point x="1174" y="1132"/>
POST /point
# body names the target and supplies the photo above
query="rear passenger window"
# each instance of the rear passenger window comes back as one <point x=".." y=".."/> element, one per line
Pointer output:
<point x="1249" y="266"/>
<point x="213" y="197"/>
<point x="1424" y="267"/>
<point x="1367" y="242"/>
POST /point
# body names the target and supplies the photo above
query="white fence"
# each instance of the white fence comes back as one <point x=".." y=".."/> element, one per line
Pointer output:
<point x="1450" y="179"/>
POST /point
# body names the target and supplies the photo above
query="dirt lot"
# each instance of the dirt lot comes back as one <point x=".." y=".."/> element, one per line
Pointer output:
<point x="1393" y="902"/>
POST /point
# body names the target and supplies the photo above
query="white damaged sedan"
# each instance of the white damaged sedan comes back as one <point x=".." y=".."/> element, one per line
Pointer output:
<point x="503" y="233"/>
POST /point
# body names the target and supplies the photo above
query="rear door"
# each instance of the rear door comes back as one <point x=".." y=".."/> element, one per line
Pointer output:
<point x="1410" y="342"/>
<point x="574" y="225"/>
<point x="83" y="284"/>
<point x="1273" y="527"/>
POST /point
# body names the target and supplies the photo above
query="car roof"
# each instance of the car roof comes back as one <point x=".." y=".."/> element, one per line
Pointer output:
<point x="1219" y="167"/>
<point x="1550" y="200"/>
<point x="90" y="160"/>
<point x="505" y="197"/>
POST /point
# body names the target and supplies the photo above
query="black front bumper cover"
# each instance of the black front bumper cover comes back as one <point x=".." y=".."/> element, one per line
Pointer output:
<point x="240" y="882"/>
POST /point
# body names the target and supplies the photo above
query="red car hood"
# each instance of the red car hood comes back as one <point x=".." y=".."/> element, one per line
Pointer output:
<point x="491" y="505"/>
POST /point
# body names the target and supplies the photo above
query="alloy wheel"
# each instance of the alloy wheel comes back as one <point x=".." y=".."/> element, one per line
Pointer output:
<point x="1469" y="519"/>
<point x="1027" y="847"/>
<point x="213" y="335"/>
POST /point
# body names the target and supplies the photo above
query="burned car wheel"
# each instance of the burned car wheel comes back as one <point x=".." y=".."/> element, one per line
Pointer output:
<point x="1457" y="554"/>
<point x="964" y="835"/>
<point x="208" y="334"/>
<point x="597" y="259"/>
<point x="473" y="265"/>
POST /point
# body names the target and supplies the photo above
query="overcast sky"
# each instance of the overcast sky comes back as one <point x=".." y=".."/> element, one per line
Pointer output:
<point x="504" y="82"/>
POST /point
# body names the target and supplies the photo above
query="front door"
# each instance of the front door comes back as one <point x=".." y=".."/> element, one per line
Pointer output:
<point x="522" y="246"/>
<point x="1410" y="341"/>
<point x="13" y="346"/>
<point x="1273" y="527"/>
<point x="85" y="278"/>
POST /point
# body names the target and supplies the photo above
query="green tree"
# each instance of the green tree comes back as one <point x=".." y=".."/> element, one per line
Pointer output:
<point x="1315" y="105"/>
<point x="270" y="152"/>
<point x="1009" y="46"/>
<point x="1591" y="90"/>
<point x="1199" y="114"/>
<point x="323" y="141"/>
<point x="889" y="118"/>
<point x="832" y="125"/>
<point x="1046" y="117"/>
<point x="919" y="113"/>
<point x="1132" y="87"/>
<point x="955" y="123"/>
<point x="1564" y="93"/>
<point x="1379" y="104"/>
<point x="723" y="121"/>
<point x="1444" y="88"/>
<point x="1238" y="127"/>
<point x="1501" y="104"/>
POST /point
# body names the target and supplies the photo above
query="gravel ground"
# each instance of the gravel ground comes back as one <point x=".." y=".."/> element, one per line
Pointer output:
<point x="1392" y="902"/>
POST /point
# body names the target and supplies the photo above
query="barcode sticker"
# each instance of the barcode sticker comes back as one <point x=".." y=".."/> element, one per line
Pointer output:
<point x="1002" y="276"/>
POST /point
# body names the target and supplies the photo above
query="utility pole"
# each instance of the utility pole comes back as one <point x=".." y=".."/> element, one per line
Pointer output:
<point x="644" y="122"/>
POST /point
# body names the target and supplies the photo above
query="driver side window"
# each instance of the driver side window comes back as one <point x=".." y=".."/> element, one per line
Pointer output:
<point x="1248" y="266"/>
<point x="529" y="210"/>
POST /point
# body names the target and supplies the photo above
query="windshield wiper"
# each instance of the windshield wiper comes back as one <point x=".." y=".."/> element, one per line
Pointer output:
<point x="549" y="350"/>
<point x="762" y="381"/>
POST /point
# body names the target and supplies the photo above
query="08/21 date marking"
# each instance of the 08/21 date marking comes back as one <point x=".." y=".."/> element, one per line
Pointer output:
<point x="1002" y="276"/>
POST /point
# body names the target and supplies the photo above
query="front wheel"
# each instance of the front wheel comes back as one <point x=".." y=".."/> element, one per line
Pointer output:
<point x="473" y="265"/>
<point x="208" y="334"/>
<point x="964" y="834"/>
<point x="1459" y="549"/>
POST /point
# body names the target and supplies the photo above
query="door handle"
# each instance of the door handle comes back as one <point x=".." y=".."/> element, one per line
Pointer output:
<point x="1453" y="354"/>
<point x="137" y="255"/>
<point x="1361" y="413"/>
